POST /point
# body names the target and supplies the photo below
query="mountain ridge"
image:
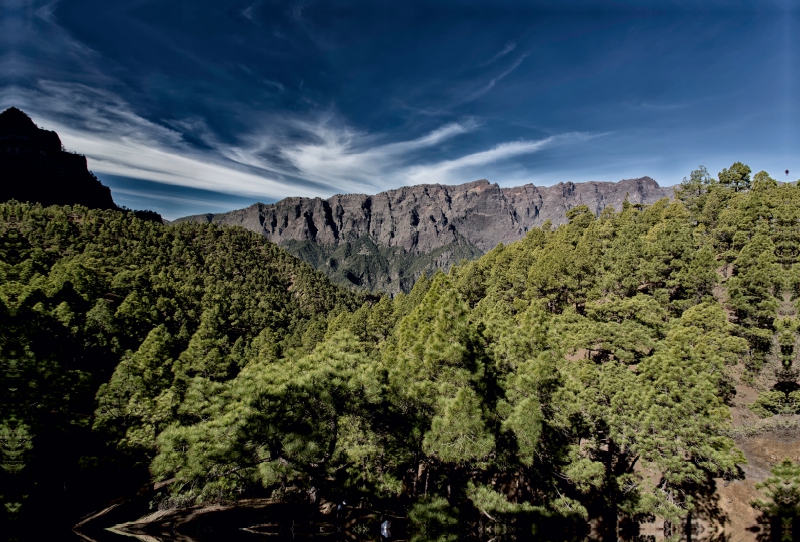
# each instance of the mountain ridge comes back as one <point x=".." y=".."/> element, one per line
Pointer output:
<point x="36" y="168"/>
<point x="357" y="239"/>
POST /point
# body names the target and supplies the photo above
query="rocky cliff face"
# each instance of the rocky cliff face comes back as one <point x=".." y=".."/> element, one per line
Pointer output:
<point x="34" y="167"/>
<point x="386" y="241"/>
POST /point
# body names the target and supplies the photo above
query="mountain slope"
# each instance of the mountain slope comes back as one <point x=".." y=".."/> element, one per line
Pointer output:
<point x="388" y="240"/>
<point x="36" y="168"/>
<point x="100" y="302"/>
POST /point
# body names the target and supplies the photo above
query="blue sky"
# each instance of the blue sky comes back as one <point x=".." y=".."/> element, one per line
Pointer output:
<point x="190" y="106"/>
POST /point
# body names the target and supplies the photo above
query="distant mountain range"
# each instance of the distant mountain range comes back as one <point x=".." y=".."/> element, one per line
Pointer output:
<point x="382" y="242"/>
<point x="386" y="241"/>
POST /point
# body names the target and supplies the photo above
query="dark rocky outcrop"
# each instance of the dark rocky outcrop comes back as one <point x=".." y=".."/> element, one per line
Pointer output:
<point x="34" y="167"/>
<point x="386" y="241"/>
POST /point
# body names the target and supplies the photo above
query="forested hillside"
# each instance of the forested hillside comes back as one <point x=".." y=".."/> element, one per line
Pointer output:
<point x="585" y="372"/>
<point x="113" y="328"/>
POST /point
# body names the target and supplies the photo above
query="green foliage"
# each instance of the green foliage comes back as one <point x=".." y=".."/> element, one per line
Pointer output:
<point x="433" y="519"/>
<point x="140" y="401"/>
<point x="782" y="491"/>
<point x="279" y="425"/>
<point x="490" y="502"/>
<point x="15" y="444"/>
<point x="458" y="433"/>
<point x="736" y="178"/>
<point x="543" y="378"/>
<point x="114" y="328"/>
<point x="770" y="403"/>
<point x="695" y="190"/>
<point x="684" y="416"/>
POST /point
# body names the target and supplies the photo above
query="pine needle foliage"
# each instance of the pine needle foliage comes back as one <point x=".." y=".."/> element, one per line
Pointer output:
<point x="583" y="371"/>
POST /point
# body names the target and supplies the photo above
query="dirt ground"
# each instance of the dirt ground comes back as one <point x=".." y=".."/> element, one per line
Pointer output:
<point x="762" y="453"/>
<point x="764" y="444"/>
<point x="763" y="450"/>
<point x="731" y="518"/>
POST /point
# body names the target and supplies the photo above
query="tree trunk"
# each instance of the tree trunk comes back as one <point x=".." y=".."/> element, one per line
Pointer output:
<point x="612" y="512"/>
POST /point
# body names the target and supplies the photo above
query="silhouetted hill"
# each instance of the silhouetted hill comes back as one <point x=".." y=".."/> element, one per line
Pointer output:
<point x="386" y="241"/>
<point x="36" y="168"/>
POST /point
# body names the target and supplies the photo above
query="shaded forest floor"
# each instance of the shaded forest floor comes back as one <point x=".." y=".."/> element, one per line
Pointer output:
<point x="763" y="452"/>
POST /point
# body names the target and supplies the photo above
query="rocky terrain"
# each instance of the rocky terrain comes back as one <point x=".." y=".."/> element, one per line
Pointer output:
<point x="36" y="168"/>
<point x="386" y="241"/>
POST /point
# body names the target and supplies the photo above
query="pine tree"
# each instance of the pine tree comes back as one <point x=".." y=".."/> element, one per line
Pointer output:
<point x="138" y="401"/>
<point x="782" y="490"/>
<point x="437" y="386"/>
<point x="684" y="416"/>
<point x="737" y="177"/>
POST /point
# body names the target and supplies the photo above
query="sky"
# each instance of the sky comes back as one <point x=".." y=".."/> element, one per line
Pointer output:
<point x="196" y="106"/>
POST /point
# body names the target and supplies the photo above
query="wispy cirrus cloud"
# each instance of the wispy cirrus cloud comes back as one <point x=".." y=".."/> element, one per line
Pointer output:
<point x="171" y="198"/>
<point x="443" y="170"/>
<point x="313" y="151"/>
<point x="340" y="156"/>
<point x="494" y="80"/>
<point x="510" y="46"/>
<point x="296" y="158"/>
<point x="118" y="141"/>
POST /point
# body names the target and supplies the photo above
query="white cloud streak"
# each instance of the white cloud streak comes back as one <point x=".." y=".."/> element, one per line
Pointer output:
<point x="171" y="198"/>
<point x="503" y="52"/>
<point x="341" y="157"/>
<point x="442" y="170"/>
<point x="336" y="158"/>
<point x="117" y="141"/>
<point x="300" y="155"/>
<point x="494" y="80"/>
<point x="325" y="158"/>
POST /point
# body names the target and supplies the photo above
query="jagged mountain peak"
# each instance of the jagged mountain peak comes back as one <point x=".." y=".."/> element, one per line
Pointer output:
<point x="421" y="228"/>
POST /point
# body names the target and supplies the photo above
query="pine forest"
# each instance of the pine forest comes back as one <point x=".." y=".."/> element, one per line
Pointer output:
<point x="585" y="375"/>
